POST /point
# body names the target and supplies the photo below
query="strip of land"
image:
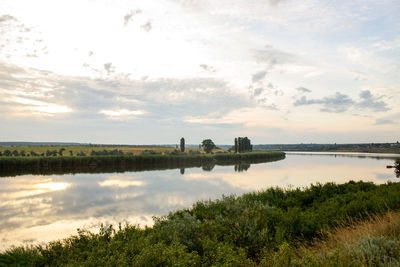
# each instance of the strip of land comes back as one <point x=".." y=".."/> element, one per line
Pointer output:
<point x="10" y="166"/>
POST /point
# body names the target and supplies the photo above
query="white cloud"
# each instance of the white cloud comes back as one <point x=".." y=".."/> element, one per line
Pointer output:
<point x="121" y="182"/>
<point x="122" y="113"/>
<point x="38" y="107"/>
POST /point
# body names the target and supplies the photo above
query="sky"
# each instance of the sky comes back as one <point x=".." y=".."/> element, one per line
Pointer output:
<point x="151" y="72"/>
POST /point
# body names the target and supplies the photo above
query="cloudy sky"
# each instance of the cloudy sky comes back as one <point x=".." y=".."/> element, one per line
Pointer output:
<point x="150" y="72"/>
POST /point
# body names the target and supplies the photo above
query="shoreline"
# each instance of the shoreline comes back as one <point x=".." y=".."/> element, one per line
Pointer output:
<point x="13" y="166"/>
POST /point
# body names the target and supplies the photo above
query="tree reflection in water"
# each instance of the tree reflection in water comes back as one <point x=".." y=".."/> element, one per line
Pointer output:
<point x="242" y="167"/>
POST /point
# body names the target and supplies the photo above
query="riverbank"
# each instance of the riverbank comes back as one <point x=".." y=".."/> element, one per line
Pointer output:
<point x="11" y="166"/>
<point x="262" y="228"/>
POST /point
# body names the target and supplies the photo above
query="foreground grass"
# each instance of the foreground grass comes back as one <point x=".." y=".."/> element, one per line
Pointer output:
<point x="371" y="242"/>
<point x="266" y="228"/>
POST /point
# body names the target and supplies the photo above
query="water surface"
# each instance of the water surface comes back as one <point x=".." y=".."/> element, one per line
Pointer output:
<point x="36" y="208"/>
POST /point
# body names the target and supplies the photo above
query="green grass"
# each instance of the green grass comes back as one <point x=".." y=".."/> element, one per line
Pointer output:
<point x="266" y="228"/>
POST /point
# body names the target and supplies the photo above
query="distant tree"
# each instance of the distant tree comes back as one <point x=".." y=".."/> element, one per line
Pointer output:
<point x="1" y="154"/>
<point x="71" y="153"/>
<point x="182" y="144"/>
<point x="81" y="153"/>
<point x="7" y="153"/>
<point x="240" y="144"/>
<point x="208" y="145"/>
<point x="60" y="152"/>
<point x="15" y="153"/>
<point x="236" y="145"/>
<point x="22" y="153"/>
<point x="243" y="144"/>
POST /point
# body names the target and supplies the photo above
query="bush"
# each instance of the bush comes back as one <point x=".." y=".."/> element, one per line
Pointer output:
<point x="150" y="152"/>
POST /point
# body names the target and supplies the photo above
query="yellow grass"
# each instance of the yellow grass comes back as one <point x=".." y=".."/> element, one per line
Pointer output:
<point x="387" y="225"/>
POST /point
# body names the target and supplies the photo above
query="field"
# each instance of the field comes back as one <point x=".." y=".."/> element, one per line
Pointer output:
<point x="352" y="224"/>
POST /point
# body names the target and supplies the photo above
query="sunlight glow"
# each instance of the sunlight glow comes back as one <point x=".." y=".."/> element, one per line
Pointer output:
<point x="120" y="183"/>
<point x="47" y="109"/>
<point x="121" y="113"/>
<point x="53" y="186"/>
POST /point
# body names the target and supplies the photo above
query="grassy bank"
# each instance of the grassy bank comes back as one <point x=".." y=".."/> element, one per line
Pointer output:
<point x="46" y="165"/>
<point x="275" y="227"/>
<point x="371" y="242"/>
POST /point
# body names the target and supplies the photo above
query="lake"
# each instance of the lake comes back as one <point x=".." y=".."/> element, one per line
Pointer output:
<point x="37" y="208"/>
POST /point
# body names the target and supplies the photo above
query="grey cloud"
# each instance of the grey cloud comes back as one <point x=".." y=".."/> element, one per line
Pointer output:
<point x="341" y="103"/>
<point x="147" y="26"/>
<point x="266" y="104"/>
<point x="129" y="16"/>
<point x="207" y="68"/>
<point x="336" y="103"/>
<point x="258" y="91"/>
<point x="383" y="121"/>
<point x="303" y="90"/>
<point x="109" y="68"/>
<point x="258" y="76"/>
<point x="162" y="99"/>
<point x="272" y="56"/>
<point x="371" y="102"/>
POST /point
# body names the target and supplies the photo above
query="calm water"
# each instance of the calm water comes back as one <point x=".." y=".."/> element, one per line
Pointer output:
<point x="36" y="209"/>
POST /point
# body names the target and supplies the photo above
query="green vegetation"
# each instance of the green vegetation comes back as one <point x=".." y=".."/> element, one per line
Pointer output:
<point x="208" y="145"/>
<point x="275" y="227"/>
<point x="182" y="144"/>
<point x="243" y="144"/>
<point x="114" y="161"/>
<point x="53" y="151"/>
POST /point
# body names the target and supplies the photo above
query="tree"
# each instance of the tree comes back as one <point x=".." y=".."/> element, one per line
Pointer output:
<point x="60" y="152"/>
<point x="182" y="144"/>
<point x="236" y="145"/>
<point x="243" y="144"/>
<point x="240" y="144"/>
<point x="208" y="145"/>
